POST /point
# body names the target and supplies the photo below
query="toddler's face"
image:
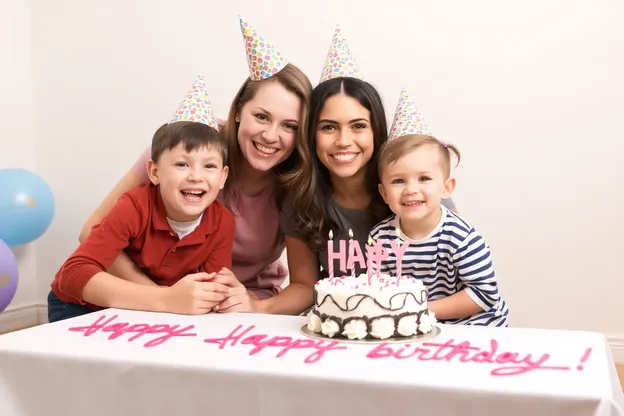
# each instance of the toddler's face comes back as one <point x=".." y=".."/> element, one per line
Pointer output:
<point x="189" y="182"/>
<point x="415" y="184"/>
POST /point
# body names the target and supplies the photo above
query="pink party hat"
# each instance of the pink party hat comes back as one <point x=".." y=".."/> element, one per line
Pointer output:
<point x="339" y="61"/>
<point x="196" y="105"/>
<point x="407" y="119"/>
<point x="263" y="60"/>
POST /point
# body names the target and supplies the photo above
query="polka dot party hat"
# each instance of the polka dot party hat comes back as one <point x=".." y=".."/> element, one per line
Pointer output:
<point x="407" y="119"/>
<point x="262" y="58"/>
<point x="339" y="61"/>
<point x="196" y="105"/>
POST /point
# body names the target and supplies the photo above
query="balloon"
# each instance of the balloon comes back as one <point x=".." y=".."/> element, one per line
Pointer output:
<point x="8" y="275"/>
<point x="26" y="206"/>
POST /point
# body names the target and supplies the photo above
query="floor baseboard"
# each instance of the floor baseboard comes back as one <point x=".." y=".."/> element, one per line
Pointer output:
<point x="32" y="315"/>
<point x="22" y="317"/>
<point x="616" y="342"/>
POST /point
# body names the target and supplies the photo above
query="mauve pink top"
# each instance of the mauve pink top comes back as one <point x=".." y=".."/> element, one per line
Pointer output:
<point x="258" y="241"/>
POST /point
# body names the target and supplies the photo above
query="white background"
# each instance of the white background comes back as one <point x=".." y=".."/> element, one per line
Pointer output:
<point x="530" y="91"/>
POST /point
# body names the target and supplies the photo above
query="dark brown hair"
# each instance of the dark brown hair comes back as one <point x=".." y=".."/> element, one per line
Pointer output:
<point x="295" y="81"/>
<point x="193" y="135"/>
<point x="394" y="150"/>
<point x="310" y="184"/>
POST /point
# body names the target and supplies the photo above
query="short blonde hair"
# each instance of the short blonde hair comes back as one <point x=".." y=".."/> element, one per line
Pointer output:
<point x="393" y="150"/>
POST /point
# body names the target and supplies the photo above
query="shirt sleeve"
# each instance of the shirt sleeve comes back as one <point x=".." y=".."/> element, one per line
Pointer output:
<point x="474" y="264"/>
<point x="221" y="255"/>
<point x="140" y="166"/>
<point x="287" y="218"/>
<point x="101" y="247"/>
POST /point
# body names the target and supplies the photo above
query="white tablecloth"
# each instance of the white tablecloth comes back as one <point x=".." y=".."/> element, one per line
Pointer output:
<point x="62" y="369"/>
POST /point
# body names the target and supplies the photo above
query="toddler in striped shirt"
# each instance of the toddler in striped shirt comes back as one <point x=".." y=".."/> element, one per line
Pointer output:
<point x="443" y="249"/>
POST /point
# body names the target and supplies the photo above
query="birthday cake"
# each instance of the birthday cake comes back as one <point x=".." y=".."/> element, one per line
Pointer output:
<point x="356" y="307"/>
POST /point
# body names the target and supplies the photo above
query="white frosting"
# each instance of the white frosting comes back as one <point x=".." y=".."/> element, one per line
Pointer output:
<point x="407" y="326"/>
<point x="355" y="329"/>
<point x="382" y="328"/>
<point x="314" y="322"/>
<point x="379" y="301"/>
<point x="427" y="320"/>
<point x="330" y="327"/>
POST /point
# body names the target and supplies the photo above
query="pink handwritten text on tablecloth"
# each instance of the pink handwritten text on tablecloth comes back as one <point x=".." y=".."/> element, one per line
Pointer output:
<point x="502" y="362"/>
<point x="507" y="363"/>
<point x="117" y="329"/>
<point x="283" y="343"/>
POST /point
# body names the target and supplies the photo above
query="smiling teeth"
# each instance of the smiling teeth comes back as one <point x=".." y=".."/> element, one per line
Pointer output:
<point x="345" y="156"/>
<point x="265" y="149"/>
<point x="409" y="204"/>
<point x="194" y="192"/>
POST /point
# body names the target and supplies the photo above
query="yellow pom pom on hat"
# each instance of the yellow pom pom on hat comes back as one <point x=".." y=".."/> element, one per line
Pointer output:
<point x="263" y="59"/>
<point x="407" y="119"/>
<point x="196" y="105"/>
<point x="339" y="61"/>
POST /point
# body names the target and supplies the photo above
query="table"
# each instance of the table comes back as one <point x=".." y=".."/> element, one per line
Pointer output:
<point x="119" y="362"/>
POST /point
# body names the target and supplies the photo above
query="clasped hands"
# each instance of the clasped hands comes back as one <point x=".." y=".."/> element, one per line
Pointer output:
<point x="201" y="292"/>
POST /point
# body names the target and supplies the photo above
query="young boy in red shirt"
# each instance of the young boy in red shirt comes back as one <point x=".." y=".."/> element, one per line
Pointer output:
<point x="173" y="228"/>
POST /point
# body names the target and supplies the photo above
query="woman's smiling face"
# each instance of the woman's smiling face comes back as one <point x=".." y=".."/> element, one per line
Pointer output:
<point x="344" y="137"/>
<point x="268" y="126"/>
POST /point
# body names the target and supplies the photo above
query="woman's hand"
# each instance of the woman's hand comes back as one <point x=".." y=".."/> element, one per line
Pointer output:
<point x="238" y="299"/>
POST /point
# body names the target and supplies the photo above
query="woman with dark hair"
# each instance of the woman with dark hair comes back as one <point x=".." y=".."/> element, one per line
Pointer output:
<point x="335" y="184"/>
<point x="335" y="187"/>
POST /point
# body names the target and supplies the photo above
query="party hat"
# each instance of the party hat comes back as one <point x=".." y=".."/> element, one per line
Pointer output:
<point x="339" y="61"/>
<point x="407" y="119"/>
<point x="262" y="58"/>
<point x="196" y="105"/>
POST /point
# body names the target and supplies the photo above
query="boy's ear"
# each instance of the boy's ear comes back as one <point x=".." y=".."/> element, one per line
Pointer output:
<point x="224" y="176"/>
<point x="382" y="191"/>
<point x="449" y="187"/>
<point x="152" y="172"/>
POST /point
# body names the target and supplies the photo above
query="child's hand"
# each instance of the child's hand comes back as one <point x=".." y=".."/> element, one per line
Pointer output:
<point x="238" y="299"/>
<point x="195" y="294"/>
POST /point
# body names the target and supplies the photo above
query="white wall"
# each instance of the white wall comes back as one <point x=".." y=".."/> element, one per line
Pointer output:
<point x="17" y="117"/>
<point x="531" y="92"/>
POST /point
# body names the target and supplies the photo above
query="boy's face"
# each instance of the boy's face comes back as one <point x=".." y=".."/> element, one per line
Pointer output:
<point x="189" y="182"/>
<point x="415" y="184"/>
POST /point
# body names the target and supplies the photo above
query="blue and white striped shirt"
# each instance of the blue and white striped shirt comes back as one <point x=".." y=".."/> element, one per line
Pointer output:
<point x="453" y="257"/>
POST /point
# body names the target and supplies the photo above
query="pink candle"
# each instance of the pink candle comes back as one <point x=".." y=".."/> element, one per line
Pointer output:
<point x="330" y="260"/>
<point x="380" y="255"/>
<point x="351" y="250"/>
<point x="370" y="259"/>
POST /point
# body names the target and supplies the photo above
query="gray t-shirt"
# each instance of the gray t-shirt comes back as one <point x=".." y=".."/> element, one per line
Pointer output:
<point x="359" y="221"/>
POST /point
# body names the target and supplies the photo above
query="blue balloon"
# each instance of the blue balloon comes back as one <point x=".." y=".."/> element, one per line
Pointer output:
<point x="26" y="206"/>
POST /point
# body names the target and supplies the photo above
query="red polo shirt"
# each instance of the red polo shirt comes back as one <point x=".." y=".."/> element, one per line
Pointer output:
<point x="137" y="225"/>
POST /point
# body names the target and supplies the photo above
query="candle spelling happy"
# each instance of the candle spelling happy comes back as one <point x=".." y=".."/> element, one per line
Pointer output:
<point x="351" y="249"/>
<point x="369" y="258"/>
<point x="330" y="260"/>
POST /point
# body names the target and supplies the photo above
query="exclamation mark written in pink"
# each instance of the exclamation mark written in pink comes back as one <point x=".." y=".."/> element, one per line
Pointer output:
<point x="584" y="358"/>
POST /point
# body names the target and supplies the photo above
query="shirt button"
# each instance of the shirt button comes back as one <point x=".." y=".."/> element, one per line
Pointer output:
<point x="173" y="251"/>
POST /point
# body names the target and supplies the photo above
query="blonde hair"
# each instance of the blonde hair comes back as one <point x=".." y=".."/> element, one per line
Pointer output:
<point x="393" y="150"/>
<point x="295" y="81"/>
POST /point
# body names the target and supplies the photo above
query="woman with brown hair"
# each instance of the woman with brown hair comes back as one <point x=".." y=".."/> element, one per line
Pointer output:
<point x="266" y="122"/>
<point x="335" y="186"/>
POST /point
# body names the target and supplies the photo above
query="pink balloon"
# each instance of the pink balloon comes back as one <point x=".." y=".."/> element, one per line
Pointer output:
<point x="8" y="275"/>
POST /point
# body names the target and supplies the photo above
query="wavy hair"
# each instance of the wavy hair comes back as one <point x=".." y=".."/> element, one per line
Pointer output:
<point x="310" y="184"/>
